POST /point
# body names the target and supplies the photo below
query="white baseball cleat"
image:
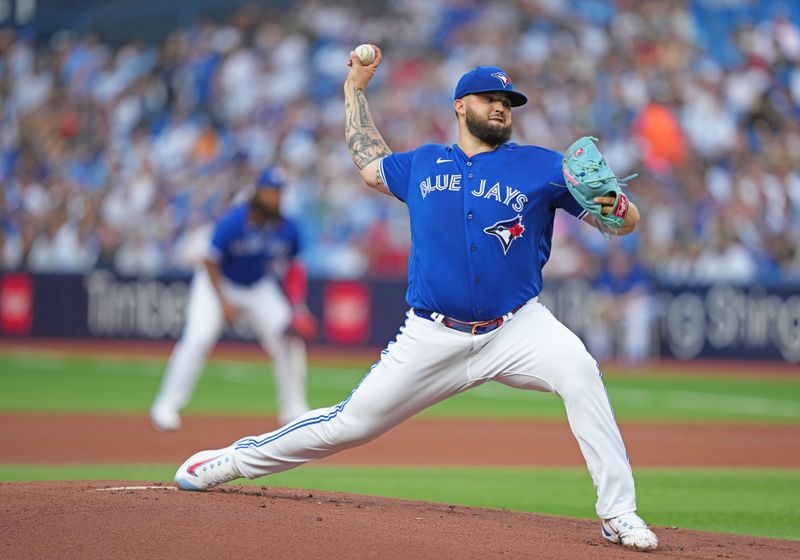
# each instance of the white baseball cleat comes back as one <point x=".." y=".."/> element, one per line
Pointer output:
<point x="629" y="530"/>
<point x="164" y="420"/>
<point x="206" y="469"/>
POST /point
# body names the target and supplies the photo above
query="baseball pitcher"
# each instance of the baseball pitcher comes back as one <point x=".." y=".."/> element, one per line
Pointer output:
<point x="481" y="214"/>
<point x="252" y="247"/>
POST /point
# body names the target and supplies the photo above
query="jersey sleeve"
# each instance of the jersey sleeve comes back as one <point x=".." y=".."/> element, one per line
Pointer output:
<point x="220" y="239"/>
<point x="396" y="172"/>
<point x="562" y="198"/>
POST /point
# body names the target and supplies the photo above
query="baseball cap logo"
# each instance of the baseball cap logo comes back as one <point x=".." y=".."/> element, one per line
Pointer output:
<point x="505" y="80"/>
<point x="485" y="79"/>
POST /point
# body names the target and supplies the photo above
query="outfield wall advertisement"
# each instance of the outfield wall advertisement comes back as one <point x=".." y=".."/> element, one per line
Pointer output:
<point x="686" y="322"/>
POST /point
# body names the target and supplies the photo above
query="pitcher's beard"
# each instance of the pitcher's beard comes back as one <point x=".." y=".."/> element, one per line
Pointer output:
<point x="485" y="132"/>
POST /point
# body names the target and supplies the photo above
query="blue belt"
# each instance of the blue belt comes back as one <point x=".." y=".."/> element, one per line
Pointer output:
<point x="477" y="327"/>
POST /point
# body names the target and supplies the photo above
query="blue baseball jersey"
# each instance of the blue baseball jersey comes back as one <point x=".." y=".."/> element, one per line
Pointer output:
<point x="481" y="226"/>
<point x="245" y="251"/>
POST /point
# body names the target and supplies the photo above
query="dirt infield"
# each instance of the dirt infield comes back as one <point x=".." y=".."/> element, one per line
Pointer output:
<point x="88" y="521"/>
<point x="96" y="439"/>
<point x="81" y="520"/>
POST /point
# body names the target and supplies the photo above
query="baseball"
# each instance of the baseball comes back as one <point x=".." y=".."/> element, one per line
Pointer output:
<point x="365" y="53"/>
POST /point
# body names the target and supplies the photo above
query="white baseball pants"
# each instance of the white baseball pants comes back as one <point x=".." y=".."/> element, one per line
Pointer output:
<point x="429" y="362"/>
<point x="265" y="308"/>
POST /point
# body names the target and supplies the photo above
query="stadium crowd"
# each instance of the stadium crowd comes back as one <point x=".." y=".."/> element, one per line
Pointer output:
<point x="119" y="155"/>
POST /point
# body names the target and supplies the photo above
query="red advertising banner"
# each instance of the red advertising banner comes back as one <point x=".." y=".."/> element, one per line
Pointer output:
<point x="347" y="312"/>
<point x="16" y="304"/>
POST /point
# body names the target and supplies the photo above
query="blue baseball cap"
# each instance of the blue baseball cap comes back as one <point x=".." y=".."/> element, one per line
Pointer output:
<point x="484" y="79"/>
<point x="270" y="178"/>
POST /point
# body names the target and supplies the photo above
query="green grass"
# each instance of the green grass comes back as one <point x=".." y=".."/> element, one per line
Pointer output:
<point x="61" y="383"/>
<point x="755" y="502"/>
<point x="751" y="502"/>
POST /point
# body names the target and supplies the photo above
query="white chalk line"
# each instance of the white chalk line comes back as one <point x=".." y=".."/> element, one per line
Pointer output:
<point x="117" y="488"/>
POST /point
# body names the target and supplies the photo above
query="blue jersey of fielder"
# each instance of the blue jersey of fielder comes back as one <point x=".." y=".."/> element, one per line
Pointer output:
<point x="245" y="251"/>
<point x="481" y="226"/>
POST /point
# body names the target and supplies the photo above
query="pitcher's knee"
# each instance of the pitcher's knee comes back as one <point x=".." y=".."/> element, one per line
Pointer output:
<point x="351" y="433"/>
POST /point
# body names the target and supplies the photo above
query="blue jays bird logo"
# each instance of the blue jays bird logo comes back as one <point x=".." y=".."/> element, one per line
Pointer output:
<point x="507" y="231"/>
<point x="505" y="80"/>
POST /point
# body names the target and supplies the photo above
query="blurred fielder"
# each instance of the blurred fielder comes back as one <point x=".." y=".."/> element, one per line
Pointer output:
<point x="252" y="249"/>
<point x="481" y="213"/>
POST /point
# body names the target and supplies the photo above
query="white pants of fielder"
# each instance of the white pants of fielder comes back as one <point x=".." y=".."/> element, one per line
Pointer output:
<point x="429" y="362"/>
<point x="268" y="314"/>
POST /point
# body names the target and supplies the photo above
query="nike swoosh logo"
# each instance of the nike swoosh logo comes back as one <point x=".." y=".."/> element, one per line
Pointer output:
<point x="192" y="468"/>
<point x="440" y="160"/>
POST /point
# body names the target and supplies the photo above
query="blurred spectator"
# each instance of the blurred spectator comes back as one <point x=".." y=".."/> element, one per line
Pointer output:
<point x="139" y="255"/>
<point x="725" y="260"/>
<point x="115" y="155"/>
<point x="623" y="309"/>
<point x="661" y="139"/>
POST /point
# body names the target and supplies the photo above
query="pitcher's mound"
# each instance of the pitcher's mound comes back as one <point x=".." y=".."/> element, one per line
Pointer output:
<point x="94" y="520"/>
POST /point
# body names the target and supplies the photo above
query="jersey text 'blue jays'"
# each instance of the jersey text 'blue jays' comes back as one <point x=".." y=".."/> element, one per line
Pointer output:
<point x="481" y="226"/>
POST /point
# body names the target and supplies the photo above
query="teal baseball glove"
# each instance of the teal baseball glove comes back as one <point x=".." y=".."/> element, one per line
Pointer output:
<point x="587" y="176"/>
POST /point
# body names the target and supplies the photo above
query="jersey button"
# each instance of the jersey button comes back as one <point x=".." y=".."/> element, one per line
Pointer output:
<point x="470" y="175"/>
<point x="469" y="163"/>
<point x="474" y="247"/>
<point x="469" y="216"/>
<point x="477" y="279"/>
